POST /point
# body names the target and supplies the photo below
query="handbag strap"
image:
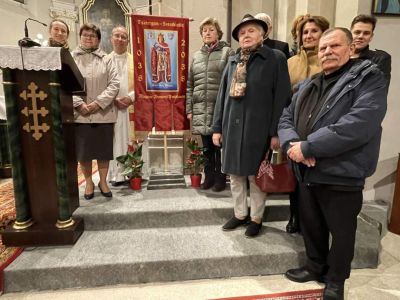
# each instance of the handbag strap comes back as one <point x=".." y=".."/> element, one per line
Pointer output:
<point x="265" y="167"/>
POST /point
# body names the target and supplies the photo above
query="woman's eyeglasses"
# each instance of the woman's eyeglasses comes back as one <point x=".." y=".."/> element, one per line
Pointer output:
<point x="89" y="36"/>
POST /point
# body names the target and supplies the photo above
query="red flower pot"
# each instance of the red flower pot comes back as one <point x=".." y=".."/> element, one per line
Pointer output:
<point x="196" y="180"/>
<point x="136" y="183"/>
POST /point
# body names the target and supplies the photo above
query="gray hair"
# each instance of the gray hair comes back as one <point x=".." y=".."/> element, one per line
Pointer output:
<point x="213" y="22"/>
<point x="349" y="36"/>
<point x="260" y="28"/>
<point x="267" y="19"/>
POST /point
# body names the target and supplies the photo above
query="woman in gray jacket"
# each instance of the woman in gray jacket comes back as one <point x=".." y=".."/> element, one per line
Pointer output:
<point x="205" y="74"/>
<point x="95" y="113"/>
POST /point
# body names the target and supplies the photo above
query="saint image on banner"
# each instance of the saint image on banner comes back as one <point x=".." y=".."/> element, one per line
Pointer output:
<point x="161" y="60"/>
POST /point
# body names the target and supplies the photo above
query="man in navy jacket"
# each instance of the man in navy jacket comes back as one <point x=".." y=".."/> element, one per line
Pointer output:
<point x="332" y="133"/>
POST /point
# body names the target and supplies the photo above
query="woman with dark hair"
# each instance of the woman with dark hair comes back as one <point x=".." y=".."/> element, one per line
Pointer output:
<point x="95" y="113"/>
<point x="59" y="33"/>
<point x="205" y="73"/>
<point x="305" y="63"/>
<point x="301" y="66"/>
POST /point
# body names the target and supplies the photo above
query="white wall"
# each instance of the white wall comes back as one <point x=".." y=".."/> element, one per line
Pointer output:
<point x="13" y="16"/>
<point x="385" y="38"/>
<point x="381" y="185"/>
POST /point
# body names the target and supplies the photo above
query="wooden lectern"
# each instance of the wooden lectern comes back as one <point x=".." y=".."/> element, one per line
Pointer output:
<point x="38" y="86"/>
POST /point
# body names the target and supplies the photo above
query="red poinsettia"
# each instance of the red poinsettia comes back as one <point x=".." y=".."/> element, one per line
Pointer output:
<point x="196" y="159"/>
<point x="132" y="161"/>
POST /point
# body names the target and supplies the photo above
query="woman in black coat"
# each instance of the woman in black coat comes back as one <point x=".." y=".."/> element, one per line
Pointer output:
<point x="255" y="88"/>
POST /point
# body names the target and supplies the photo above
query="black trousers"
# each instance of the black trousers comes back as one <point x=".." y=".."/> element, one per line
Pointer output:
<point x="213" y="154"/>
<point x="323" y="211"/>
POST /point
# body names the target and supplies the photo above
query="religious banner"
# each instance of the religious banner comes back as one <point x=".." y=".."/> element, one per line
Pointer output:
<point x="160" y="49"/>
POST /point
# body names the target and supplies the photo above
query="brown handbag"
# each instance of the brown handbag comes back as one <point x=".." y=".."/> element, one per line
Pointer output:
<point x="275" y="177"/>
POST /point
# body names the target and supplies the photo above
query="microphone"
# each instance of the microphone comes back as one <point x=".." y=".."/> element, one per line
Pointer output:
<point x="26" y="41"/>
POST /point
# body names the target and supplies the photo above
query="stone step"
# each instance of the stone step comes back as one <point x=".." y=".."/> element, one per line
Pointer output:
<point x="132" y="256"/>
<point x="166" y="181"/>
<point x="166" y="176"/>
<point x="166" y="186"/>
<point x="161" y="209"/>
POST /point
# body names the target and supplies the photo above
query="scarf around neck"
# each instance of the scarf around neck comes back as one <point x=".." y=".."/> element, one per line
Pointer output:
<point x="88" y="50"/>
<point x="238" y="84"/>
<point x="53" y="43"/>
<point x="210" y="48"/>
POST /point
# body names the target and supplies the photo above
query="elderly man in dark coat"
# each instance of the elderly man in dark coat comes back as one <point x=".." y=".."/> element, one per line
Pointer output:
<point x="254" y="89"/>
<point x="332" y="133"/>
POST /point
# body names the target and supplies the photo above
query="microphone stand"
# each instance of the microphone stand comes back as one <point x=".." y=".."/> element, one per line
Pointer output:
<point x="27" y="42"/>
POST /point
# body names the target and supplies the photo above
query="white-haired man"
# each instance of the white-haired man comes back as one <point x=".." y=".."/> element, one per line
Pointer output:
<point x="273" y="44"/>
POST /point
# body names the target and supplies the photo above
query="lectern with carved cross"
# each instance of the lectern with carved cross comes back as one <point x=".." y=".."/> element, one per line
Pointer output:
<point x="38" y="85"/>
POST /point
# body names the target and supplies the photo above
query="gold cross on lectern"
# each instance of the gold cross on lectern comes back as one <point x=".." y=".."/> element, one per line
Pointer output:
<point x="35" y="112"/>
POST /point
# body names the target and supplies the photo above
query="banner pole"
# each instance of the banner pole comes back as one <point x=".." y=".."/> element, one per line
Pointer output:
<point x="165" y="153"/>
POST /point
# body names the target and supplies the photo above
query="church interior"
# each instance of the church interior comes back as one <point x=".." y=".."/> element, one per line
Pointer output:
<point x="165" y="241"/>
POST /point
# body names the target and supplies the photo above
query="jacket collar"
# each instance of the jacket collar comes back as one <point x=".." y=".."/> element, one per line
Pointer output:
<point x="353" y="72"/>
<point x="98" y="52"/>
<point x="364" y="52"/>
<point x="219" y="46"/>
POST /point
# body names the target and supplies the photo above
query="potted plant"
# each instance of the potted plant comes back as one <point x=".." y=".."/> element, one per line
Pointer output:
<point x="195" y="161"/>
<point x="132" y="164"/>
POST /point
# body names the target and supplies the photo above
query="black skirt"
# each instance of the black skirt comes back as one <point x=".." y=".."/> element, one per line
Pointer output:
<point x="94" y="141"/>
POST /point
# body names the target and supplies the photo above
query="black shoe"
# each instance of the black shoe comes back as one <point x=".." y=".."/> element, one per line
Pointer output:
<point x="302" y="275"/>
<point x="220" y="183"/>
<point x="107" y="195"/>
<point x="117" y="183"/>
<point x="208" y="182"/>
<point x="233" y="223"/>
<point x="333" y="291"/>
<point x="219" y="187"/>
<point x="253" y="229"/>
<point x="89" y="196"/>
<point x="293" y="225"/>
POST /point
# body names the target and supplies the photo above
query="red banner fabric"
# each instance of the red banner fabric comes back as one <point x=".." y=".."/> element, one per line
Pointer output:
<point x="160" y="54"/>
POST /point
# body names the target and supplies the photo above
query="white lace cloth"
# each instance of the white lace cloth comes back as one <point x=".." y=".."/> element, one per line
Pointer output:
<point x="35" y="58"/>
<point x="2" y="108"/>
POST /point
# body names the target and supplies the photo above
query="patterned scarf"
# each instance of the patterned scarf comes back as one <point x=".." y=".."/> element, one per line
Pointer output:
<point x="211" y="48"/>
<point x="238" y="84"/>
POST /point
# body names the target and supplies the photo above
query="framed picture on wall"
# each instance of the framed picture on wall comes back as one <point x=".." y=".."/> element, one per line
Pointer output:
<point x="386" y="7"/>
<point x="105" y="14"/>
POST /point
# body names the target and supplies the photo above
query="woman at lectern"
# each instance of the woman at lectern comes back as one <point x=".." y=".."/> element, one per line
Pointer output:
<point x="95" y="113"/>
<point x="59" y="33"/>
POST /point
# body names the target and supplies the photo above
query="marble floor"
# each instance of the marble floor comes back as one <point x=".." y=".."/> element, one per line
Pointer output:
<point x="382" y="283"/>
